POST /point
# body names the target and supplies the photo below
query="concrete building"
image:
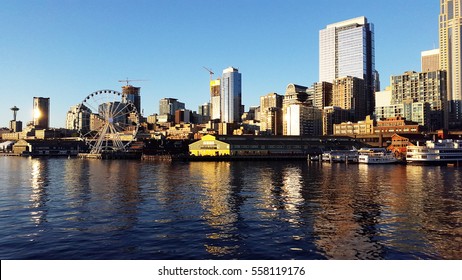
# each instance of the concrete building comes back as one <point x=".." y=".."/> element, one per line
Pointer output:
<point x="396" y="125"/>
<point x="271" y="114"/>
<point x="41" y="112"/>
<point x="428" y="88"/>
<point x="365" y="127"/>
<point x="295" y="94"/>
<point x="231" y="96"/>
<point x="322" y="94"/>
<point x="215" y="99"/>
<point x="78" y="119"/>
<point x="333" y="115"/>
<point x="450" y="28"/>
<point x="303" y="120"/>
<point x="349" y="93"/>
<point x="168" y="106"/>
<point x="183" y="116"/>
<point x="347" y="49"/>
<point x="430" y="60"/>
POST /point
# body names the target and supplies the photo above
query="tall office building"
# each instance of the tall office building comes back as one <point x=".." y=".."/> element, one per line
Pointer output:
<point x="231" y="96"/>
<point x="450" y="28"/>
<point x="132" y="94"/>
<point x="347" y="49"/>
<point x="430" y="60"/>
<point x="41" y="112"/>
<point x="215" y="99"/>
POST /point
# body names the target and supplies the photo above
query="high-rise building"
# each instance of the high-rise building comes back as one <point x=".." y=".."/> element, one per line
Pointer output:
<point x="231" y="96"/>
<point x="428" y="88"/>
<point x="430" y="60"/>
<point x="347" y="49"/>
<point x="132" y="94"/>
<point x="78" y="119"/>
<point x="349" y="93"/>
<point x="168" y="106"/>
<point x="450" y="28"/>
<point x="322" y="94"/>
<point x="41" y="112"/>
<point x="215" y="99"/>
<point x="299" y="116"/>
<point x="271" y="114"/>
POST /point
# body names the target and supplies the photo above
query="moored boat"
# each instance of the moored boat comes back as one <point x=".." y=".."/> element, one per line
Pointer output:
<point x="441" y="152"/>
<point x="376" y="156"/>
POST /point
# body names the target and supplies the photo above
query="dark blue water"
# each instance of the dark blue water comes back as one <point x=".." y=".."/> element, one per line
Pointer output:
<point x="92" y="209"/>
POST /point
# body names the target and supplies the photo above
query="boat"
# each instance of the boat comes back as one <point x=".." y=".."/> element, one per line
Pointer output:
<point x="376" y="156"/>
<point x="441" y="152"/>
<point x="340" y="156"/>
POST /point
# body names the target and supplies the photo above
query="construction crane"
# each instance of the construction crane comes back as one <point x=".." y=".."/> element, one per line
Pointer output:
<point x="127" y="81"/>
<point x="210" y="71"/>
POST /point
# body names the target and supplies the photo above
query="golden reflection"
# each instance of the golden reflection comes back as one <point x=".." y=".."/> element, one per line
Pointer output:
<point x="38" y="196"/>
<point x="292" y="187"/>
<point x="339" y="234"/>
<point x="217" y="204"/>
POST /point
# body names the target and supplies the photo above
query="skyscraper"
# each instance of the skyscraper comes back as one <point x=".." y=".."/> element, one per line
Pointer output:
<point x="231" y="96"/>
<point x="41" y="112"/>
<point x="133" y="94"/>
<point x="347" y="49"/>
<point x="450" y="24"/>
<point x="215" y="99"/>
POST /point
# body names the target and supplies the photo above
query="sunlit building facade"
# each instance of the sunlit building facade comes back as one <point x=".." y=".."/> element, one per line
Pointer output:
<point x="347" y="49"/>
<point x="450" y="29"/>
<point x="231" y="96"/>
<point x="41" y="112"/>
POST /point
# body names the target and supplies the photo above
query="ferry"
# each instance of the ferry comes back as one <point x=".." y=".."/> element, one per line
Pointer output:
<point x="442" y="152"/>
<point x="376" y="156"/>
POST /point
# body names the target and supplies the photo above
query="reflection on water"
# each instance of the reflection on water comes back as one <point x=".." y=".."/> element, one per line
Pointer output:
<point x="84" y="209"/>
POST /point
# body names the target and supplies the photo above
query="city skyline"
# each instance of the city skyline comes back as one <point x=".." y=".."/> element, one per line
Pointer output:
<point x="169" y="44"/>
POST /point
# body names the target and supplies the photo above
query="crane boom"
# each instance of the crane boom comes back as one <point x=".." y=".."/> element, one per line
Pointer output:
<point x="127" y="81"/>
<point x="210" y="72"/>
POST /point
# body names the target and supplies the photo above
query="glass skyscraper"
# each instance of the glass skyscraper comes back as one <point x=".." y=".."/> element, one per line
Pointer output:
<point x="231" y="96"/>
<point x="347" y="49"/>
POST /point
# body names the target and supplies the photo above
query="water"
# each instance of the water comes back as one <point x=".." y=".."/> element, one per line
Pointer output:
<point x="91" y="209"/>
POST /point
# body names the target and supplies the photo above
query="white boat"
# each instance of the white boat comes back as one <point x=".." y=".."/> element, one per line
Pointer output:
<point x="441" y="152"/>
<point x="376" y="156"/>
<point x="340" y="156"/>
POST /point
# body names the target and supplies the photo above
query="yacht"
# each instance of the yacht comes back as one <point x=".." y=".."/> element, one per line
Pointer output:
<point x="440" y="152"/>
<point x="376" y="156"/>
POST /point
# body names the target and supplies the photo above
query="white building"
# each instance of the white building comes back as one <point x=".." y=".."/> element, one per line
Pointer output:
<point x="231" y="96"/>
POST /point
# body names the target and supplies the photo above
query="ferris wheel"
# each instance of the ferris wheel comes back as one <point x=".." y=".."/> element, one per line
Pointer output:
<point x="108" y="121"/>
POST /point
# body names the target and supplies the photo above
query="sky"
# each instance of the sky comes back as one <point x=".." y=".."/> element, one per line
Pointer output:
<point x="67" y="49"/>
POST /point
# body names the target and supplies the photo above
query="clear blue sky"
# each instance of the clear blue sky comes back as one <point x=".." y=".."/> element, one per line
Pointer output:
<point x="67" y="49"/>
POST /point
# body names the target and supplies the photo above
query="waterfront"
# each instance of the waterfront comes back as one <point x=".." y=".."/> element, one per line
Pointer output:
<point x="60" y="208"/>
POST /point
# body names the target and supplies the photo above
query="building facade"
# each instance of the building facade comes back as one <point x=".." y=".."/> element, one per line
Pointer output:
<point x="168" y="106"/>
<point x="41" y="112"/>
<point x="347" y="49"/>
<point x="430" y="60"/>
<point x="271" y="114"/>
<point x="132" y="94"/>
<point x="231" y="96"/>
<point x="427" y="88"/>
<point x="215" y="99"/>
<point x="322" y="94"/>
<point x="349" y="93"/>
<point x="450" y="24"/>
